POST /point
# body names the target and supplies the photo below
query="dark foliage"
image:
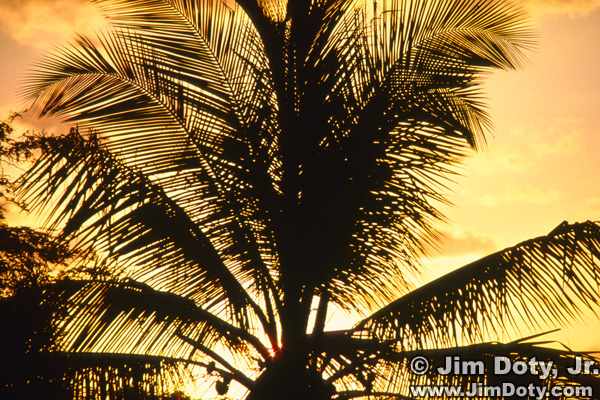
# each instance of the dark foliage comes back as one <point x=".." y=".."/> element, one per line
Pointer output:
<point x="32" y="304"/>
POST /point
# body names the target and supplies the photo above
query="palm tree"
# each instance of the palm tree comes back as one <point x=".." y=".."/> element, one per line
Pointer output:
<point x="250" y="165"/>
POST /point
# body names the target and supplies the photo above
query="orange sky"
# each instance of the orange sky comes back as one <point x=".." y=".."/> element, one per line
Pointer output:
<point x="540" y="168"/>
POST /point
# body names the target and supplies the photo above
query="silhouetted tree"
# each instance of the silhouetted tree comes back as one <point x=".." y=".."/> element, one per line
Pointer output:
<point x="34" y="298"/>
<point x="251" y="163"/>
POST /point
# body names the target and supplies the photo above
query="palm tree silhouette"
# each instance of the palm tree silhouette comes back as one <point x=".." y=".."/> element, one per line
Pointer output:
<point x="252" y="164"/>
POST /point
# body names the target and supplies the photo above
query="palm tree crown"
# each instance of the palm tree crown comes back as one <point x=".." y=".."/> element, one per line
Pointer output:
<point x="251" y="163"/>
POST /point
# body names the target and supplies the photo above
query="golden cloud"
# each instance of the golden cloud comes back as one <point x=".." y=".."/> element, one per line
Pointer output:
<point x="522" y="194"/>
<point x="556" y="136"/>
<point x="573" y="8"/>
<point x="454" y="244"/>
<point x="528" y="144"/>
<point x="43" y="23"/>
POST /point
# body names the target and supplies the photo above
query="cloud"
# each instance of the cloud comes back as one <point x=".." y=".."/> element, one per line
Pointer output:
<point x="542" y="138"/>
<point x="528" y="144"/>
<point x="573" y="8"/>
<point x="455" y="244"/>
<point x="41" y="23"/>
<point x="44" y="23"/>
<point x="566" y="145"/>
<point x="498" y="158"/>
<point x="523" y="194"/>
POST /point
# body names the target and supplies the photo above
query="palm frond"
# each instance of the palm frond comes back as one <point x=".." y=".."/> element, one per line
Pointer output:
<point x="211" y="41"/>
<point x="36" y="365"/>
<point x="146" y="98"/>
<point x="390" y="374"/>
<point x="90" y="376"/>
<point x="124" y="216"/>
<point x="132" y="318"/>
<point x="541" y="281"/>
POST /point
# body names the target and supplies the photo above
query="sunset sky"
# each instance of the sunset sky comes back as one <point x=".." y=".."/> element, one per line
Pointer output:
<point x="542" y="164"/>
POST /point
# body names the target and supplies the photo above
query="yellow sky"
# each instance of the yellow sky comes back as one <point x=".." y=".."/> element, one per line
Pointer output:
<point x="540" y="168"/>
<point x="542" y="165"/>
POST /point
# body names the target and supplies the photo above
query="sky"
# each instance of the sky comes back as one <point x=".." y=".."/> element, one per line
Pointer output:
<point x="541" y="165"/>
